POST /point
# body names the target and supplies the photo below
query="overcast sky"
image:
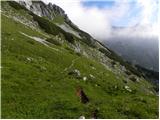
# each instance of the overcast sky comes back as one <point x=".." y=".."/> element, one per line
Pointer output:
<point x="98" y="16"/>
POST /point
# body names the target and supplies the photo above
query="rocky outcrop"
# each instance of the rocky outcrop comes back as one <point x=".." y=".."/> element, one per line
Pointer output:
<point x="96" y="50"/>
<point x="41" y="9"/>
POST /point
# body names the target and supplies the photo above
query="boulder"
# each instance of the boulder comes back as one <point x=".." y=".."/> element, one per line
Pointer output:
<point x="75" y="73"/>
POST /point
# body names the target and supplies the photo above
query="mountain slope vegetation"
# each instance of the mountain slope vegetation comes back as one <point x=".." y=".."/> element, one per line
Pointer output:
<point x="43" y="66"/>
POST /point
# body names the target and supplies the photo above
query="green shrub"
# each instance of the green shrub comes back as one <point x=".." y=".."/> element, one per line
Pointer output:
<point x="51" y="28"/>
<point x="31" y="42"/>
<point x="69" y="37"/>
<point x="48" y="26"/>
<point x="69" y="49"/>
<point x="128" y="72"/>
<point x="16" y="5"/>
<point x="104" y="51"/>
<point x="133" y="79"/>
<point x="86" y="38"/>
<point x="78" y="54"/>
<point x="59" y="19"/>
<point x="113" y="63"/>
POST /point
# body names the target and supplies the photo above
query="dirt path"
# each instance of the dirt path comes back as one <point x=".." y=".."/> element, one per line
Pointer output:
<point x="71" y="65"/>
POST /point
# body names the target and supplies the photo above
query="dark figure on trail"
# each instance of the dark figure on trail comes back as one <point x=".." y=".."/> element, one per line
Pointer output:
<point x="80" y="93"/>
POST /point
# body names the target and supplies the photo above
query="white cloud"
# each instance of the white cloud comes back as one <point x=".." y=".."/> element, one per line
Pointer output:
<point x="97" y="21"/>
<point x="91" y="20"/>
<point x="148" y="9"/>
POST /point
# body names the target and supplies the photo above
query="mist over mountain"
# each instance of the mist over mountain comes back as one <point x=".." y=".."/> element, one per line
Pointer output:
<point x="138" y="45"/>
<point x="138" y="36"/>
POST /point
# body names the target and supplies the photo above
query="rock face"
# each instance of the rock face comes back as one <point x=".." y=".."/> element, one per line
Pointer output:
<point x="41" y="9"/>
<point x="49" y="11"/>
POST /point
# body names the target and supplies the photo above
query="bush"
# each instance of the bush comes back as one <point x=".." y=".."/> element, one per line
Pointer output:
<point x="104" y="51"/>
<point x="48" y="26"/>
<point x="113" y="63"/>
<point x="78" y="54"/>
<point x="69" y="49"/>
<point x="69" y="37"/>
<point x="128" y="72"/>
<point x="86" y="38"/>
<point x="31" y="42"/>
<point x="16" y="5"/>
<point x="53" y="29"/>
<point x="133" y="79"/>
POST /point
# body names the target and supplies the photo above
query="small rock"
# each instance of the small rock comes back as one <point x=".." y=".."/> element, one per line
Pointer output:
<point x="75" y="73"/>
<point x="84" y="78"/>
<point x="128" y="88"/>
<point x="123" y="68"/>
<point x="82" y="117"/>
<point x="91" y="76"/>
<point x="29" y="59"/>
<point x="78" y="72"/>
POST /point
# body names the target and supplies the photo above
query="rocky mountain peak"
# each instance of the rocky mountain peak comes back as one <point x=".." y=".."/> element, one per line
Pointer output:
<point x="44" y="10"/>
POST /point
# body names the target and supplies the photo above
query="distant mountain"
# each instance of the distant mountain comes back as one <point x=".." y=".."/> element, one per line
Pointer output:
<point x="133" y="46"/>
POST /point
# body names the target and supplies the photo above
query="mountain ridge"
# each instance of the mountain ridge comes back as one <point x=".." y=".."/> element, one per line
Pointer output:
<point x="43" y="66"/>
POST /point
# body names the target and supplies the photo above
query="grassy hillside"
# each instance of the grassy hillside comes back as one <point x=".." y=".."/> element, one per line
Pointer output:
<point x="37" y="80"/>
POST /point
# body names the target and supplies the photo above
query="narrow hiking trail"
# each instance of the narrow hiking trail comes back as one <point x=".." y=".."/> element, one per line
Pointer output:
<point x="71" y="65"/>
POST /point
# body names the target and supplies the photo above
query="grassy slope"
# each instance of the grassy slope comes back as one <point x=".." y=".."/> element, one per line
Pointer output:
<point x="30" y="91"/>
<point x="59" y="20"/>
